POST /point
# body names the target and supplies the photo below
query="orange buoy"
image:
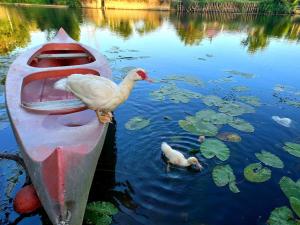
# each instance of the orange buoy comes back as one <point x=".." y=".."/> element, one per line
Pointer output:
<point x="26" y="200"/>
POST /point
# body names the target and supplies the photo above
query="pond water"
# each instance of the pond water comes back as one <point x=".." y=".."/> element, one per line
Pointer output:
<point x="223" y="55"/>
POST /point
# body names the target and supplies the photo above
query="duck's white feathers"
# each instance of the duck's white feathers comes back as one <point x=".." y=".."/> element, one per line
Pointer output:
<point x="103" y="94"/>
<point x="174" y="157"/>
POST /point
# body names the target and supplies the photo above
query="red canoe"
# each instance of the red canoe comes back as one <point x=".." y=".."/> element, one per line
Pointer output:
<point x="60" y="139"/>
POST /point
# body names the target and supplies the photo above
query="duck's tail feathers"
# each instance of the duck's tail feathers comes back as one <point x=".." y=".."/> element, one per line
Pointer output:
<point x="61" y="84"/>
<point x="165" y="147"/>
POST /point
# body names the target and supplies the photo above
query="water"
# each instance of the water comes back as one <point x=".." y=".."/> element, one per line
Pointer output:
<point x="131" y="172"/>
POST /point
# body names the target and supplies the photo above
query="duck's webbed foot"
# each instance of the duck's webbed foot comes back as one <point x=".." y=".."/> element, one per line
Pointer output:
<point x="105" y="117"/>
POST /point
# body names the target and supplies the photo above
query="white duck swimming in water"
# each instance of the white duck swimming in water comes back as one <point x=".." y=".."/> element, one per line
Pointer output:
<point x="99" y="93"/>
<point x="177" y="158"/>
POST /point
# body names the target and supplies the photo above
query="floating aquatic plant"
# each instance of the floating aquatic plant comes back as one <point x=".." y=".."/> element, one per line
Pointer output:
<point x="269" y="159"/>
<point x="198" y="127"/>
<point x="241" y="125"/>
<point x="174" y="94"/>
<point x="213" y="117"/>
<point x="228" y="136"/>
<point x="235" y="108"/>
<point x="240" y="88"/>
<point x="215" y="148"/>
<point x="188" y="79"/>
<point x="222" y="80"/>
<point x="293" y="103"/>
<point x="282" y="216"/>
<point x="223" y="175"/>
<point x="291" y="190"/>
<point x="100" y="213"/>
<point x="292" y="148"/>
<point x="212" y="100"/>
<point x="251" y="100"/>
<point x="137" y="123"/>
<point x="256" y="173"/>
<point x="239" y="73"/>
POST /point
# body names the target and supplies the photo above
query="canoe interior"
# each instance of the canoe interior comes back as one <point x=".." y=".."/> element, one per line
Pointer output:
<point x="60" y="49"/>
<point x="38" y="90"/>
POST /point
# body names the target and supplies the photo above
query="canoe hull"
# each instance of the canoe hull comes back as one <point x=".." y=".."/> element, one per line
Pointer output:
<point x="61" y="148"/>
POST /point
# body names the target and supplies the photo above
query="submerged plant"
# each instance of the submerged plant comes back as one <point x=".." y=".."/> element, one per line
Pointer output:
<point x="100" y="213"/>
<point x="188" y="79"/>
<point x="223" y="175"/>
<point x="228" y="136"/>
<point x="240" y="88"/>
<point x="256" y="173"/>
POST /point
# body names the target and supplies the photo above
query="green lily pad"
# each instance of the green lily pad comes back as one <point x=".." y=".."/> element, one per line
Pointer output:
<point x="99" y="213"/>
<point x="295" y="204"/>
<point x="235" y="108"/>
<point x="269" y="159"/>
<point x="213" y="117"/>
<point x="292" y="148"/>
<point x="251" y="100"/>
<point x="228" y="136"/>
<point x="293" y="103"/>
<point x="240" y="88"/>
<point x="222" y="80"/>
<point x="174" y="94"/>
<point x="282" y="216"/>
<point x="239" y="73"/>
<point x="212" y="100"/>
<point x="137" y="123"/>
<point x="198" y="127"/>
<point x="256" y="173"/>
<point x="189" y="79"/>
<point x="215" y="148"/>
<point x="289" y="187"/>
<point x="223" y="175"/>
<point x="241" y="125"/>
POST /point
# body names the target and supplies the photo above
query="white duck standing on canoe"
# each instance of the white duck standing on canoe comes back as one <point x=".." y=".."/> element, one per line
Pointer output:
<point x="99" y="93"/>
<point x="177" y="158"/>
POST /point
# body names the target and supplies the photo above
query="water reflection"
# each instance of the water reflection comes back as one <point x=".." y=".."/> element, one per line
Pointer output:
<point x="16" y="24"/>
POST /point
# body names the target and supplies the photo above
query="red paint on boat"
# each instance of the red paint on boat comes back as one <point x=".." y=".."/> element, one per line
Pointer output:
<point x="60" y="139"/>
<point x="26" y="200"/>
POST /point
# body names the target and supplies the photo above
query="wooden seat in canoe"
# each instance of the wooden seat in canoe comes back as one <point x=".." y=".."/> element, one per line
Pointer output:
<point x="54" y="106"/>
<point x="63" y="56"/>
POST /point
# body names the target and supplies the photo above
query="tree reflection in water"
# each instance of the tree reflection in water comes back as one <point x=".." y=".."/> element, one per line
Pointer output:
<point x="16" y="23"/>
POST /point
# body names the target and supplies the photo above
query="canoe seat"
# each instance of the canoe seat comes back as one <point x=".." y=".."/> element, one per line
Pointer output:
<point x="63" y="56"/>
<point x="54" y="106"/>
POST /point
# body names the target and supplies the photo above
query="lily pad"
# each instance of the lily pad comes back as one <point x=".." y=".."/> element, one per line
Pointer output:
<point x="282" y="216"/>
<point x="174" y="94"/>
<point x="256" y="173"/>
<point x="239" y="73"/>
<point x="213" y="117"/>
<point x="212" y="100"/>
<point x="228" y="136"/>
<point x="235" y="108"/>
<point x="240" y="88"/>
<point x="251" y="100"/>
<point x="198" y="127"/>
<point x="269" y="159"/>
<point x="189" y="79"/>
<point x="289" y="187"/>
<point x="137" y="123"/>
<point x="241" y="125"/>
<point x="223" y="175"/>
<point x="215" y="148"/>
<point x="292" y="148"/>
<point x="291" y="190"/>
